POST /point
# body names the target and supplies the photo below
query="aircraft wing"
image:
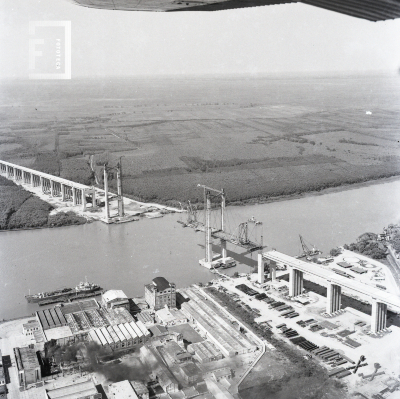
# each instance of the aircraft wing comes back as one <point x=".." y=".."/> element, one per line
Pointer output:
<point x="371" y="10"/>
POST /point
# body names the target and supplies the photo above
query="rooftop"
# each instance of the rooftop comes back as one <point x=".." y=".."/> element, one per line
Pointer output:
<point x="74" y="391"/>
<point x="121" y="390"/>
<point x="161" y="283"/>
<point x="31" y="324"/>
<point x="111" y="295"/>
<point x="26" y="358"/>
<point x="58" y="333"/>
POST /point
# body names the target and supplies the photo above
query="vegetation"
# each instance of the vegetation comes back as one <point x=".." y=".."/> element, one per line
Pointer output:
<point x="20" y="209"/>
<point x="372" y="248"/>
<point x="171" y="141"/>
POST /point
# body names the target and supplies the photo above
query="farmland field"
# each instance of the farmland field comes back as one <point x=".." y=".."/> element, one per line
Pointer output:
<point x="258" y="138"/>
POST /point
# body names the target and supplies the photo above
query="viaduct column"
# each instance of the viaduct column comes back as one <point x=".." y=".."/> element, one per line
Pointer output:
<point x="31" y="180"/>
<point x="63" y="192"/>
<point x="223" y="248"/>
<point x="334" y="298"/>
<point x="41" y="183"/>
<point x="272" y="270"/>
<point x="51" y="188"/>
<point x="378" y="317"/>
<point x="260" y="269"/>
<point x="295" y="282"/>
<point x="73" y="196"/>
<point x="83" y="193"/>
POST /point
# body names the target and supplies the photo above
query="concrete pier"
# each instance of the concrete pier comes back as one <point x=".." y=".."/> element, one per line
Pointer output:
<point x="260" y="262"/>
<point x="295" y="282"/>
<point x="380" y="300"/>
<point x="378" y="316"/>
<point x="334" y="298"/>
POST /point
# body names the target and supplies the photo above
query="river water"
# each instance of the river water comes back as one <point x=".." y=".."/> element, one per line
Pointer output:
<point x="128" y="256"/>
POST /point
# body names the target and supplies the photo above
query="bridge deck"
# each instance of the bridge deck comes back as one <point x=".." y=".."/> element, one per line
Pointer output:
<point x="47" y="176"/>
<point x="328" y="275"/>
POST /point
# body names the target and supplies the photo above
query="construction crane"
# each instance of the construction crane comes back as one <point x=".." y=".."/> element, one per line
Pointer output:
<point x="307" y="252"/>
<point x="241" y="237"/>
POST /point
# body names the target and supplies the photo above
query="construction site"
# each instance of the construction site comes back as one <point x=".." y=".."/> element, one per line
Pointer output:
<point x="236" y="336"/>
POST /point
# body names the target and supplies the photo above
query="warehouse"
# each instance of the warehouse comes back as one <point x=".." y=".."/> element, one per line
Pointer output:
<point x="170" y="317"/>
<point x="215" y="324"/>
<point x="115" y="299"/>
<point x="205" y="351"/>
<point x="28" y="366"/>
<point x="119" y="336"/>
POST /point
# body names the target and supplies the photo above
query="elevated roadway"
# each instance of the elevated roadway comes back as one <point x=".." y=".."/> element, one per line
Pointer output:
<point x="379" y="299"/>
<point x="55" y="186"/>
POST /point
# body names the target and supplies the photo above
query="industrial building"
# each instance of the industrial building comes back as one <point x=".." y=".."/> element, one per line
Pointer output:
<point x="146" y="317"/>
<point x="84" y="389"/>
<point x="205" y="351"/>
<point x="216" y="325"/>
<point x="121" y="390"/>
<point x="164" y="376"/>
<point x="160" y="293"/>
<point x="30" y="327"/>
<point x="115" y="299"/>
<point x="28" y="366"/>
<point x="120" y="336"/>
<point x="190" y="373"/>
<point x="170" y="317"/>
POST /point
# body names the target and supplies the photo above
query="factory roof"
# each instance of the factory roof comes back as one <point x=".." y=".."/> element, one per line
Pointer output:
<point x="139" y="387"/>
<point x="74" y="391"/>
<point x="26" y="358"/>
<point x="58" y="333"/>
<point x="121" y="390"/>
<point x="112" y="295"/>
<point x="145" y="317"/>
<point x="190" y="369"/>
<point x="77" y="306"/>
<point x="161" y="283"/>
<point x="165" y="315"/>
<point x="158" y="330"/>
<point x="31" y="324"/>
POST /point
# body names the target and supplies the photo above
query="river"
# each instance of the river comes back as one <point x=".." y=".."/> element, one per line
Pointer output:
<point x="127" y="256"/>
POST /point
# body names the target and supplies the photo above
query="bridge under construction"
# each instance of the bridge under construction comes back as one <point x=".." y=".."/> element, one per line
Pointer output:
<point x="297" y="268"/>
<point x="242" y="237"/>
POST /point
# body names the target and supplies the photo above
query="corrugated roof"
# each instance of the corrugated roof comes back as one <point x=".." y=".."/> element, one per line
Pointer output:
<point x="73" y="391"/>
<point x="110" y="295"/>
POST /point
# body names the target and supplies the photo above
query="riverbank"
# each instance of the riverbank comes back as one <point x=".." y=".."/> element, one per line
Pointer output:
<point x="328" y="190"/>
<point x="21" y="210"/>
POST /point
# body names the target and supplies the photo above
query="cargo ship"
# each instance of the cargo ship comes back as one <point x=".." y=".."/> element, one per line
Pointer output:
<point x="82" y="287"/>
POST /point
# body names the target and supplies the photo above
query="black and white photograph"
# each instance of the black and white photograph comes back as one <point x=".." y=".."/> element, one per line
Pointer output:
<point x="199" y="199"/>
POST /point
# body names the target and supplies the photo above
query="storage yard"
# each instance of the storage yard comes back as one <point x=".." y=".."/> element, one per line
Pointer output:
<point x="234" y="336"/>
<point x="336" y="342"/>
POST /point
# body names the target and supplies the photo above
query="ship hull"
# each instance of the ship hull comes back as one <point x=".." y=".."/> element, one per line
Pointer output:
<point x="67" y="294"/>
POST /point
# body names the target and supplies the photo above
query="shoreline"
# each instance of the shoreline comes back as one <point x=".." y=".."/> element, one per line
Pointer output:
<point x="314" y="193"/>
<point x="252" y="201"/>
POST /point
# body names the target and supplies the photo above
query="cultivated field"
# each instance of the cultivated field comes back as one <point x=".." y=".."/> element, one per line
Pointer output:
<point x="257" y="138"/>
